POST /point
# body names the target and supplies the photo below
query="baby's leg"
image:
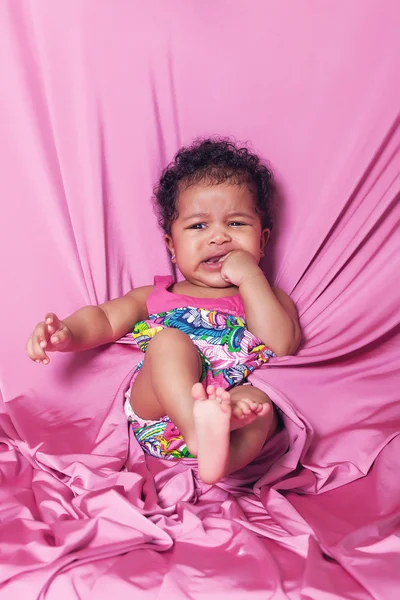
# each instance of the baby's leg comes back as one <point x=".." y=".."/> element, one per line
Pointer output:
<point x="163" y="385"/>
<point x="221" y="450"/>
<point x="246" y="443"/>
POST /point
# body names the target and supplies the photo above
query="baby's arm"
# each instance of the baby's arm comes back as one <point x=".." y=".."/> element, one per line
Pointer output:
<point x="270" y="313"/>
<point x="88" y="327"/>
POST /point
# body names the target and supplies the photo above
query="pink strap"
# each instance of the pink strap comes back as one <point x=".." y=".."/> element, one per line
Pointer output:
<point x="162" y="281"/>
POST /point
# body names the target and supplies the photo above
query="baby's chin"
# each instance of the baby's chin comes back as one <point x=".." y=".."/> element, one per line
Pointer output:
<point x="214" y="281"/>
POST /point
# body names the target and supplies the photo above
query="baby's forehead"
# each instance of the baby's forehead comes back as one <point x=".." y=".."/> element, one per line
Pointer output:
<point x="216" y="198"/>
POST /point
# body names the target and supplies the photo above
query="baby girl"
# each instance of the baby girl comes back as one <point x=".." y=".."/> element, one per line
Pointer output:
<point x="202" y="336"/>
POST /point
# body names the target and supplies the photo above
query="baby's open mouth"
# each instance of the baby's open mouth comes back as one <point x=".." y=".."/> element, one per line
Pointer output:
<point x="214" y="259"/>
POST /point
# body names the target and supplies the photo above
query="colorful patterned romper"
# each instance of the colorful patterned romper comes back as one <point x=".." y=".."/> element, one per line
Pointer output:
<point x="228" y="352"/>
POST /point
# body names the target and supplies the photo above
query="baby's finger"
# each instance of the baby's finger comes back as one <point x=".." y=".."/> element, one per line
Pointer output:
<point x="29" y="349"/>
<point x="224" y="276"/>
<point x="41" y="335"/>
<point x="53" y="323"/>
<point x="39" y="354"/>
<point x="60" y="336"/>
<point x="223" y="258"/>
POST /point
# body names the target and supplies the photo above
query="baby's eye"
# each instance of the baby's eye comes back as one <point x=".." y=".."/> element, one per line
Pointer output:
<point x="237" y="224"/>
<point x="197" y="226"/>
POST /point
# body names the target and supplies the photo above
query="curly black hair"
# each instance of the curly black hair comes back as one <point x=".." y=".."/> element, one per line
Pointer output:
<point x="213" y="161"/>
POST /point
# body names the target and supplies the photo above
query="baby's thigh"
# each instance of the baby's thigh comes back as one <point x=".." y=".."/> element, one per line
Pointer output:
<point x="170" y="344"/>
<point x="143" y="398"/>
<point x="170" y="356"/>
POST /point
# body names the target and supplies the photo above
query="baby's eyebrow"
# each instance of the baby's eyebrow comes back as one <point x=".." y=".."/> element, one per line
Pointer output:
<point x="196" y="216"/>
<point x="246" y="215"/>
<point x="202" y="215"/>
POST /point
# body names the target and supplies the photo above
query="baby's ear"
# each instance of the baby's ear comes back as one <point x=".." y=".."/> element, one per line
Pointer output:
<point x="169" y="243"/>
<point x="265" y="235"/>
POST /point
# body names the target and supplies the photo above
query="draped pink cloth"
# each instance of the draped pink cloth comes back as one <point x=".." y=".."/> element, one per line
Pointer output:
<point x="96" y="98"/>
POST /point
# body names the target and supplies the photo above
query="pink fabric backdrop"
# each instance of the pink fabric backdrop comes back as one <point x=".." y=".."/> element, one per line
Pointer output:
<point x="96" y="98"/>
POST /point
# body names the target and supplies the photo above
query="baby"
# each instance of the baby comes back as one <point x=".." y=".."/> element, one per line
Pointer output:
<point x="204" y="335"/>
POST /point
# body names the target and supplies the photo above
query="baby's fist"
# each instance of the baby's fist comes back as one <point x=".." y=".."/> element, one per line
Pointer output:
<point x="238" y="266"/>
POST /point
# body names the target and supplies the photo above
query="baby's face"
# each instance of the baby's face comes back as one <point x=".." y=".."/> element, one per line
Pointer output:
<point x="214" y="220"/>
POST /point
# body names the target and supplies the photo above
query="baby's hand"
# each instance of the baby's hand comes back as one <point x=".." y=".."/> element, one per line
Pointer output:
<point x="238" y="266"/>
<point x="49" y="336"/>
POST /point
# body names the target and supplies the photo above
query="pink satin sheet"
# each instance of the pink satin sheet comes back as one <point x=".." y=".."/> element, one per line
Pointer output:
<point x="96" y="97"/>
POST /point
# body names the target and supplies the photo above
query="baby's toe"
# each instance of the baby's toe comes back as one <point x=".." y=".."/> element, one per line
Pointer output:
<point x="223" y="396"/>
<point x="198" y="392"/>
<point x="241" y="409"/>
<point x="218" y="394"/>
<point x="237" y="411"/>
<point x="211" y="391"/>
<point x="245" y="406"/>
<point x="263" y="409"/>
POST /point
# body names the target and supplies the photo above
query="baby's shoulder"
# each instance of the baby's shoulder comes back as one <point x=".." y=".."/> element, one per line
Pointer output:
<point x="140" y="294"/>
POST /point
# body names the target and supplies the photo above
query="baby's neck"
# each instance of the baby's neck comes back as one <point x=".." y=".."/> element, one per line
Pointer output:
<point x="186" y="288"/>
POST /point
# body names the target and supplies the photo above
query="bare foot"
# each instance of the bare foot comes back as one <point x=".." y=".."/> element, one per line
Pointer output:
<point x="246" y="409"/>
<point x="212" y="417"/>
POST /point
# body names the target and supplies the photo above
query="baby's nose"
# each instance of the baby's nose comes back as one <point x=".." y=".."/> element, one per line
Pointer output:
<point x="220" y="236"/>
